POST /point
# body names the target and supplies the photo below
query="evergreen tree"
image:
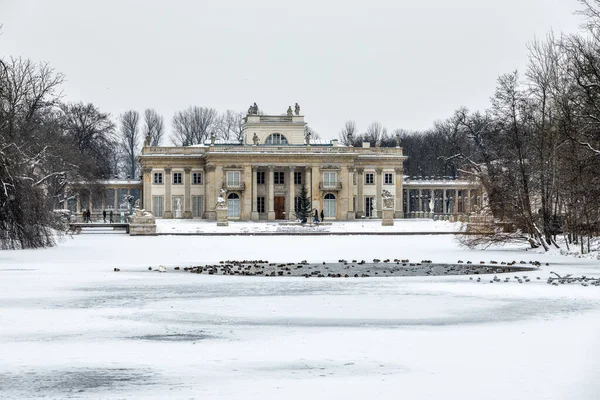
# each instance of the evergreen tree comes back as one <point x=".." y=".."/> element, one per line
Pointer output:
<point x="304" y="205"/>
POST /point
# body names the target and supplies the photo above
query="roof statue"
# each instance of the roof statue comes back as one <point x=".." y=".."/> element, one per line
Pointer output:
<point x="255" y="139"/>
<point x="307" y="137"/>
<point x="148" y="140"/>
<point x="212" y="138"/>
<point x="289" y="111"/>
<point x="297" y="109"/>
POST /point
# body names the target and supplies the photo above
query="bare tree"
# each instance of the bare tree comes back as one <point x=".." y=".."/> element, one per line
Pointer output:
<point x="130" y="140"/>
<point x="153" y="126"/>
<point x="193" y="125"/>
<point x="348" y="131"/>
<point x="375" y="133"/>
<point x="229" y="126"/>
<point x="313" y="134"/>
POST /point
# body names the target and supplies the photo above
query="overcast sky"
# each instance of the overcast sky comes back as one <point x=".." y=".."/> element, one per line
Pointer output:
<point x="404" y="63"/>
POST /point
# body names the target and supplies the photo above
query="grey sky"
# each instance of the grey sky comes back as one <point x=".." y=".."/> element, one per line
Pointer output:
<point x="404" y="63"/>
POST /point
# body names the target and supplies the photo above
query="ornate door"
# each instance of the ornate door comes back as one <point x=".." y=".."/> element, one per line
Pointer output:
<point x="279" y="207"/>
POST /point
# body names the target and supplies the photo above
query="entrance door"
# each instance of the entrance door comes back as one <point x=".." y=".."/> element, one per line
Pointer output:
<point x="279" y="207"/>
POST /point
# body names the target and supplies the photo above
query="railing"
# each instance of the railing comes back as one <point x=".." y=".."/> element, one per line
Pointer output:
<point x="234" y="186"/>
<point x="330" y="186"/>
<point x="271" y="149"/>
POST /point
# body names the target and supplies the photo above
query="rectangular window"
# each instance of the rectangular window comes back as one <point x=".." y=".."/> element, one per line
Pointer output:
<point x="329" y="179"/>
<point x="233" y="178"/>
<point x="388" y="179"/>
<point x="196" y="178"/>
<point x="297" y="178"/>
<point x="260" y="178"/>
<point x="157" y="206"/>
<point x="369" y="179"/>
<point x="260" y="204"/>
<point x="158" y="178"/>
<point x="197" y="206"/>
<point x="177" y="178"/>
<point x="278" y="178"/>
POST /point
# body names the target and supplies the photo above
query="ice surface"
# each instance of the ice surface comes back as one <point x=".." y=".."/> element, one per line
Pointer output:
<point x="70" y="327"/>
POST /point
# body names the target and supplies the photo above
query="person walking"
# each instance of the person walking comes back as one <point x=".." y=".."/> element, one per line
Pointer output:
<point x="104" y="216"/>
<point x="111" y="216"/>
<point x="89" y="216"/>
<point x="322" y="216"/>
<point x="84" y="216"/>
<point x="316" y="216"/>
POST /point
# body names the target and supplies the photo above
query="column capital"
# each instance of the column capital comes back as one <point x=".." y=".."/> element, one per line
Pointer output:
<point x="187" y="170"/>
<point x="271" y="168"/>
<point x="399" y="170"/>
<point x="146" y="170"/>
<point x="379" y="170"/>
<point x="291" y="167"/>
<point x="360" y="170"/>
<point x="167" y="170"/>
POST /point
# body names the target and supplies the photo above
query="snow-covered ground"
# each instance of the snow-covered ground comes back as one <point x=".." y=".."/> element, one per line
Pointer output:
<point x="357" y="226"/>
<point x="70" y="327"/>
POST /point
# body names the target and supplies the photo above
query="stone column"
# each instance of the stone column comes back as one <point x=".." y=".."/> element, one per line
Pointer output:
<point x="378" y="189"/>
<point x="316" y="193"/>
<point x="432" y="200"/>
<point x="420" y="198"/>
<point x="455" y="210"/>
<point x="408" y="203"/>
<point x="291" y="194"/>
<point x="308" y="181"/>
<point x="187" y="198"/>
<point x="246" y="211"/>
<point x="468" y="201"/>
<point x="254" y="194"/>
<point x="145" y="189"/>
<point x="349" y="190"/>
<point x="168" y="210"/>
<point x="444" y="206"/>
<point x="210" y="192"/>
<point x="271" y="194"/>
<point x="78" y="205"/>
<point x="399" y="207"/>
<point x="360" y="180"/>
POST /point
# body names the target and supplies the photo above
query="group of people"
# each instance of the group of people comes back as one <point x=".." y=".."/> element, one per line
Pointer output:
<point x="316" y="216"/>
<point x="87" y="216"/>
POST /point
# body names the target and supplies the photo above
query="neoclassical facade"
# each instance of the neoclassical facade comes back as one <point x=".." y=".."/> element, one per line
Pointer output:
<point x="261" y="178"/>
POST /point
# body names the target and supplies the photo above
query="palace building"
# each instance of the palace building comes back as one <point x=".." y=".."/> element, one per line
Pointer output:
<point x="261" y="177"/>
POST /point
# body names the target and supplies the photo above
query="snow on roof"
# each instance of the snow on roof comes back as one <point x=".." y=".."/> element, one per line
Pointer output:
<point x="223" y="141"/>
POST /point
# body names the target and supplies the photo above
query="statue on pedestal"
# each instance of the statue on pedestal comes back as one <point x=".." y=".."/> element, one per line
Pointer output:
<point x="307" y="137"/>
<point x="398" y="140"/>
<point x="255" y="139"/>
<point x="253" y="109"/>
<point x="221" y="200"/>
<point x="388" y="199"/>
<point x="148" y="140"/>
<point x="297" y="109"/>
<point x="289" y="111"/>
<point x="212" y="138"/>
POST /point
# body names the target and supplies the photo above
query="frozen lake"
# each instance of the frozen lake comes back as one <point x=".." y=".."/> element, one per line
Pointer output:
<point x="70" y="327"/>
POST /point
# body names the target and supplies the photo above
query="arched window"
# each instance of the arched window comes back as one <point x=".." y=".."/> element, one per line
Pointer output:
<point x="329" y="210"/>
<point x="276" y="138"/>
<point x="233" y="205"/>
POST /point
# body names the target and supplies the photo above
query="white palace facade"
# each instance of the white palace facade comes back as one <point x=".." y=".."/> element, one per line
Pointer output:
<point x="262" y="177"/>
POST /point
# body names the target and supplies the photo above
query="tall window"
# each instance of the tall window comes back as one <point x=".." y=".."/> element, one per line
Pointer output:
<point x="197" y="178"/>
<point x="260" y="178"/>
<point x="297" y="178"/>
<point x="233" y="205"/>
<point x="158" y="178"/>
<point x="369" y="179"/>
<point x="197" y="206"/>
<point x="276" y="138"/>
<point x="177" y="178"/>
<point x="260" y="204"/>
<point x="157" y="206"/>
<point x="388" y="179"/>
<point x="233" y="178"/>
<point x="329" y="179"/>
<point x="278" y="178"/>
<point x="329" y="209"/>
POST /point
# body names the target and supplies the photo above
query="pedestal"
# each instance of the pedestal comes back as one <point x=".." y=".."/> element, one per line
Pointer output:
<point x="387" y="217"/>
<point x="142" y="222"/>
<point x="222" y="216"/>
